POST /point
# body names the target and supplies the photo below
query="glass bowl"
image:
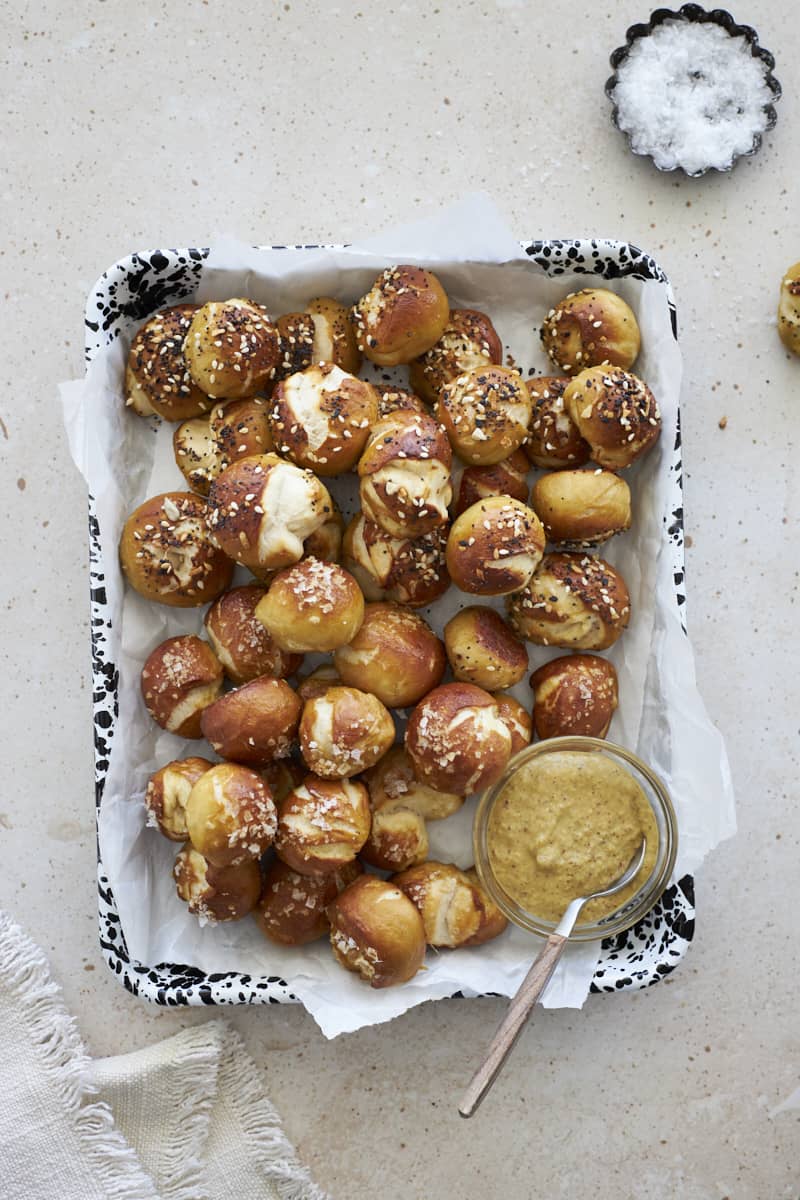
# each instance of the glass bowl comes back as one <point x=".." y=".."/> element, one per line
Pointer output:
<point x="648" y="894"/>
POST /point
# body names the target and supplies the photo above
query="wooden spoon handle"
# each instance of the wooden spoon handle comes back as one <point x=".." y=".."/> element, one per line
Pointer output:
<point x="510" y="1027"/>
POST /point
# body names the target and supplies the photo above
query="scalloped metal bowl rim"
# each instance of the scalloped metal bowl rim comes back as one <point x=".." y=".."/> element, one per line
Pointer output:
<point x="689" y="13"/>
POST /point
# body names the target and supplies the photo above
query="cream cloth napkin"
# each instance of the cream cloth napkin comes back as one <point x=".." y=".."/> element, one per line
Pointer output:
<point x="186" y="1119"/>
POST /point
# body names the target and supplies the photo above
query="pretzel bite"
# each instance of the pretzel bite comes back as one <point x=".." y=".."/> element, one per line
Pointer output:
<point x="312" y="606"/>
<point x="334" y="335"/>
<point x="405" y="475"/>
<point x="494" y="547"/>
<point x="344" y="731"/>
<point x="157" y="379"/>
<point x="295" y="343"/>
<point x="401" y="807"/>
<point x="180" y="678"/>
<point x="457" y="740"/>
<point x="377" y="932"/>
<point x="616" y="413"/>
<point x="282" y="776"/>
<point x="196" y="454"/>
<point x="553" y="440"/>
<point x="572" y="600"/>
<point x="582" y="508"/>
<point x="254" y="723"/>
<point x="486" y="412"/>
<point x="789" y="309"/>
<point x="575" y="694"/>
<point x="167" y="554"/>
<point x="590" y="327"/>
<point x="240" y="641"/>
<point x="482" y="649"/>
<point x="262" y="509"/>
<point x="216" y="893"/>
<point x="167" y="792"/>
<point x="404" y="313"/>
<point x="409" y="571"/>
<point x="240" y="429"/>
<point x="393" y="399"/>
<point x="320" y="418"/>
<point x="455" y="910"/>
<point x="231" y="348"/>
<point x="469" y="340"/>
<point x="292" y="908"/>
<point x="325" y="543"/>
<point x="230" y="815"/>
<point x="322" y="825"/>
<point x="517" y="719"/>
<point x="318" y="682"/>
<point x="508" y="478"/>
<point x="395" y="655"/>
<point x="493" y="922"/>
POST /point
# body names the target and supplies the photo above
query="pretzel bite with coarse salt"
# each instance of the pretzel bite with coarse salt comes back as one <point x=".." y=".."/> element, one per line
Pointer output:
<point x="575" y="694"/>
<point x="393" y="399"/>
<point x="262" y="509"/>
<point x="157" y="378"/>
<point x="377" y="932"/>
<point x="405" y="475"/>
<point x="318" y="681"/>
<point x="180" y="678"/>
<point x="312" y="606"/>
<point x="616" y="413"/>
<point x="254" y="723"/>
<point x="401" y="807"/>
<point x="167" y="792"/>
<point x="482" y="649"/>
<point x="322" y="825"/>
<point x="196" y="454"/>
<point x="292" y="908"/>
<point x="486" y="412"/>
<point x="395" y="655"/>
<point x="469" y="340"/>
<point x="409" y="571"/>
<point x="216" y="893"/>
<point x="240" y="641"/>
<point x="454" y="909"/>
<point x="457" y="740"/>
<point x="591" y="327"/>
<point x="232" y="349"/>
<point x="404" y="313"/>
<point x="518" y="720"/>
<point x="508" y="478"/>
<point x="320" y="418"/>
<point x="230" y="815"/>
<point x="344" y="731"/>
<point x="572" y="600"/>
<point x="494" y="547"/>
<point x="167" y="553"/>
<point x="582" y="508"/>
<point x="553" y="440"/>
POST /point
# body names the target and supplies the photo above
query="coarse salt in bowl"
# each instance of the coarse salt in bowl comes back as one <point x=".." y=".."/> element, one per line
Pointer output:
<point x="693" y="90"/>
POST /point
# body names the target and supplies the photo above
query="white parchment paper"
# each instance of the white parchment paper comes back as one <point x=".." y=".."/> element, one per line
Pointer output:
<point x="661" y="716"/>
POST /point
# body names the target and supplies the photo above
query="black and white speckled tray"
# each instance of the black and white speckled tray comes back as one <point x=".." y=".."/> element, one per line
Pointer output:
<point x="124" y="296"/>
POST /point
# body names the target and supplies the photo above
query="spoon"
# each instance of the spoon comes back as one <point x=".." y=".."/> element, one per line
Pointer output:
<point x="532" y="987"/>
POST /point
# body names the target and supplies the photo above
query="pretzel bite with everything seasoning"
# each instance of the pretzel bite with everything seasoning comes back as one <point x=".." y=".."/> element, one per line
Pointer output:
<point x="232" y="348"/>
<point x="216" y="893"/>
<point x="553" y="440"/>
<point x="404" y="313"/>
<point x="334" y="336"/>
<point x="196" y="454"/>
<point x="167" y="553"/>
<point x="789" y="309"/>
<point x="482" y="649"/>
<point x="344" y="731"/>
<point x="405" y="475"/>
<point x="262" y="509"/>
<point x="494" y="547"/>
<point x="454" y="908"/>
<point x="240" y="641"/>
<point x="241" y="429"/>
<point x="295" y="343"/>
<point x="409" y="571"/>
<point x="254" y="723"/>
<point x="575" y="694"/>
<point x="325" y="543"/>
<point x="157" y="378"/>
<point x="591" y="327"/>
<point x="572" y="600"/>
<point x="312" y="606"/>
<point x="292" y="908"/>
<point x="230" y="815"/>
<point x="616" y="413"/>
<point x="322" y="825"/>
<point x="395" y="655"/>
<point x="486" y="412"/>
<point x="393" y="399"/>
<point x="469" y="340"/>
<point x="582" y="508"/>
<point x="320" y="418"/>
<point x="167" y="793"/>
<point x="180" y="678"/>
<point x="508" y="478"/>
<point x="518" y="720"/>
<point x="457" y="740"/>
<point x="377" y="932"/>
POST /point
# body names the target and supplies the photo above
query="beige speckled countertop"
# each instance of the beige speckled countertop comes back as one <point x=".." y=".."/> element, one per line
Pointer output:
<point x="133" y="126"/>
